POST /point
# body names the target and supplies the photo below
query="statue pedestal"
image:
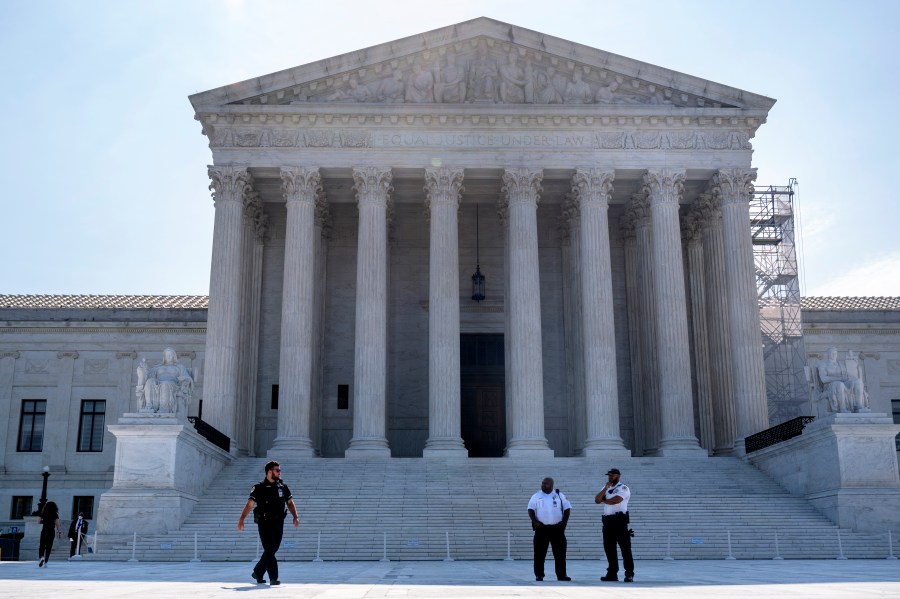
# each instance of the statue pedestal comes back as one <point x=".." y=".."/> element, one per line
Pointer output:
<point x="28" y="546"/>
<point x="162" y="468"/>
<point x="845" y="465"/>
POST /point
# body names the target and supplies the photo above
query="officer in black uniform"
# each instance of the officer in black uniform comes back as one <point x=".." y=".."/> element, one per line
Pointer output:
<point x="272" y="499"/>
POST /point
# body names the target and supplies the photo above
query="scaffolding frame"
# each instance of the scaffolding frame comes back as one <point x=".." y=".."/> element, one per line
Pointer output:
<point x="778" y="289"/>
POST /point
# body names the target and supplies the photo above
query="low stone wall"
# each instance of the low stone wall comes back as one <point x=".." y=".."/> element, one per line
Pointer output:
<point x="845" y="465"/>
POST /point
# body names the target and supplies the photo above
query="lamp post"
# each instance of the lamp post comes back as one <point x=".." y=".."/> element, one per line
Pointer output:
<point x="40" y="509"/>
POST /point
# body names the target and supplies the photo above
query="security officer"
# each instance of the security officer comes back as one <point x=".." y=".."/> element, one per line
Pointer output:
<point x="549" y="512"/>
<point x="77" y="531"/>
<point x="614" y="497"/>
<point x="272" y="499"/>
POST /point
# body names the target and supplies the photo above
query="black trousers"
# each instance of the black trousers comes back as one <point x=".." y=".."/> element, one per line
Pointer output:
<point x="46" y="544"/>
<point x="270" y="534"/>
<point x="553" y="535"/>
<point x="615" y="532"/>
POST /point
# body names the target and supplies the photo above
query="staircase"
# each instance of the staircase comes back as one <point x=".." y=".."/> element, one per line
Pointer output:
<point x="407" y="508"/>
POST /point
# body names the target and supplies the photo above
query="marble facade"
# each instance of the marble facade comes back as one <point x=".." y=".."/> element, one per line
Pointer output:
<point x="373" y="163"/>
<point x="611" y="198"/>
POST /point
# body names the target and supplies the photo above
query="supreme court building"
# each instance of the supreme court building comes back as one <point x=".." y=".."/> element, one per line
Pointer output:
<point x="604" y="200"/>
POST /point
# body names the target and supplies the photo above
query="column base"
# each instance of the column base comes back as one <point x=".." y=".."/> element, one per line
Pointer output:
<point x="529" y="448"/>
<point x="445" y="447"/>
<point x="284" y="448"/>
<point x="368" y="448"/>
<point x="681" y="447"/>
<point x="606" y="447"/>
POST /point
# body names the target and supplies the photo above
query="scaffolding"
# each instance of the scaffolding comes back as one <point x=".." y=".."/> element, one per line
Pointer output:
<point x="778" y="288"/>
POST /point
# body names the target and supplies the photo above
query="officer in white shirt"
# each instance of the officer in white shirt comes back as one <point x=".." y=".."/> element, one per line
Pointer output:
<point x="614" y="498"/>
<point x="549" y="512"/>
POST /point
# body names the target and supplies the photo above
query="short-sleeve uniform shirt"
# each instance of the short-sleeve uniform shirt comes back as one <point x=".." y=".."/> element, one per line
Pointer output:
<point x="619" y="490"/>
<point x="271" y="498"/>
<point x="549" y="507"/>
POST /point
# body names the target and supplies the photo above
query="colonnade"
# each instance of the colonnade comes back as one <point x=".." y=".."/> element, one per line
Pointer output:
<point x="723" y="304"/>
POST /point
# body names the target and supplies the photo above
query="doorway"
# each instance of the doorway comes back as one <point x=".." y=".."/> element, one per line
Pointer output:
<point x="483" y="400"/>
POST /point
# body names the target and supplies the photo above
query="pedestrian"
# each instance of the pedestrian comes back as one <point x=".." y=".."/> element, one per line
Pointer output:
<point x="77" y="531"/>
<point x="272" y="499"/>
<point x="49" y="520"/>
<point x="549" y="512"/>
<point x="614" y="497"/>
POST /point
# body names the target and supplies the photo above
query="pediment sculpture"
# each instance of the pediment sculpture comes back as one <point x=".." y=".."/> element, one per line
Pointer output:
<point x="164" y="387"/>
<point x="837" y="385"/>
<point x="491" y="73"/>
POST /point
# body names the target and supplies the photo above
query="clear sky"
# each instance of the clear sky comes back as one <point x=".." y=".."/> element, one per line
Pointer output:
<point x="103" y="169"/>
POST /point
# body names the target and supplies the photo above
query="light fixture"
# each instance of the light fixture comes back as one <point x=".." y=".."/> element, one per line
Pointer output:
<point x="477" y="278"/>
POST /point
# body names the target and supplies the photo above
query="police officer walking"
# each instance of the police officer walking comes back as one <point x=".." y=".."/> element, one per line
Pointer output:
<point x="272" y="499"/>
<point x="549" y="512"/>
<point x="614" y="498"/>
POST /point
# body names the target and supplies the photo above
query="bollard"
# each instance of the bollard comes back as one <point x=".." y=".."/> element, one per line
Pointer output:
<point x="840" y="546"/>
<point x="890" y="547"/>
<point x="447" y="536"/>
<point x="729" y="556"/>
<point x="196" y="559"/>
<point x="257" y="548"/>
<point x="668" y="546"/>
<point x="508" y="544"/>
<point x="384" y="555"/>
<point x="94" y="545"/>
<point x="78" y="536"/>
<point x="777" y="556"/>
<point x="318" y="546"/>
<point x="133" y="548"/>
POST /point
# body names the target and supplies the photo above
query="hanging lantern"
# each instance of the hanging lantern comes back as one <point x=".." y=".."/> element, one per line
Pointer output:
<point x="477" y="278"/>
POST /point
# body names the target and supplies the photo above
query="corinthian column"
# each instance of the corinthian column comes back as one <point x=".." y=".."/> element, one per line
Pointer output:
<point x="676" y="403"/>
<point x="373" y="188"/>
<point x="592" y="188"/>
<point x="526" y="373"/>
<point x="650" y="384"/>
<point x="301" y="188"/>
<point x="751" y="412"/>
<point x="690" y="228"/>
<point x="229" y="184"/>
<point x="443" y="187"/>
<point x="717" y="319"/>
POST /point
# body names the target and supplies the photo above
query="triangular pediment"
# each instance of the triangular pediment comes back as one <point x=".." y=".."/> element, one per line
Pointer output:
<point x="482" y="61"/>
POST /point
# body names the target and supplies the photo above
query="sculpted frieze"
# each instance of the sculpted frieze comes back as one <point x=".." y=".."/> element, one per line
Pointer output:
<point x="482" y="71"/>
<point x="263" y="137"/>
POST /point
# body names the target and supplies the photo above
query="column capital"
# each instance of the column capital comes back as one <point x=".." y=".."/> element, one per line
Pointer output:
<point x="229" y="183"/>
<point x="443" y="185"/>
<point x="733" y="186"/>
<point x="569" y="217"/>
<point x="664" y="186"/>
<point x="9" y="354"/>
<point x="67" y="354"/>
<point x="300" y="184"/>
<point x="372" y="185"/>
<point x="253" y="212"/>
<point x="126" y="354"/>
<point x="522" y="185"/>
<point x="691" y="226"/>
<point x="593" y="185"/>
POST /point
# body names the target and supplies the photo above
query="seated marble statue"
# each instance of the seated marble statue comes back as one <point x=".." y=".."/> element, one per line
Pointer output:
<point x="840" y="384"/>
<point x="160" y="388"/>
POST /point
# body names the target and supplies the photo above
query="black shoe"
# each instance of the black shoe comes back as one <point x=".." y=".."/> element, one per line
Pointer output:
<point x="275" y="582"/>
<point x="609" y="578"/>
<point x="539" y="578"/>
<point x="258" y="579"/>
<point x="629" y="579"/>
<point x="564" y="578"/>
